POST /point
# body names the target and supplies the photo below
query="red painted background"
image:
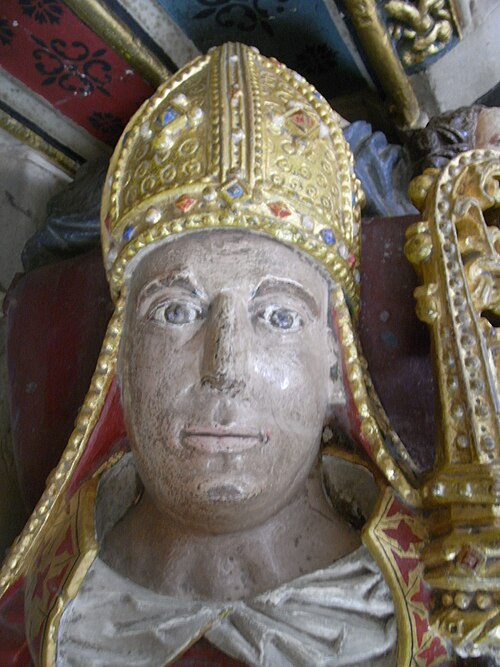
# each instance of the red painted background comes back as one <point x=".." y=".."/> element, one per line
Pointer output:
<point x="48" y="48"/>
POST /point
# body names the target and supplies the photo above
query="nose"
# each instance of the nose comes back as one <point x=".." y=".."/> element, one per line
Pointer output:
<point x="224" y="352"/>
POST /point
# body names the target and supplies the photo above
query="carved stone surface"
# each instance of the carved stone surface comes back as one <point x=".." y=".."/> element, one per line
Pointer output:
<point x="231" y="239"/>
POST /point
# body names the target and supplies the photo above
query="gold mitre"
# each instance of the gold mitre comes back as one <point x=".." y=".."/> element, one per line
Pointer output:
<point x="235" y="140"/>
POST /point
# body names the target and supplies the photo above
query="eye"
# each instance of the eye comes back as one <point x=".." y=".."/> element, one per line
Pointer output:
<point x="176" y="312"/>
<point x="284" y="319"/>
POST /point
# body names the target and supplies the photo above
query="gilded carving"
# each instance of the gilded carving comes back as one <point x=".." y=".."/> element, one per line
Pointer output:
<point x="461" y="276"/>
<point x="420" y="30"/>
<point x="376" y="41"/>
<point x="27" y="136"/>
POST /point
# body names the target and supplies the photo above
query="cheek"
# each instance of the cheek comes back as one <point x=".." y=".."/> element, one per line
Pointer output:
<point x="157" y="368"/>
<point x="292" y="385"/>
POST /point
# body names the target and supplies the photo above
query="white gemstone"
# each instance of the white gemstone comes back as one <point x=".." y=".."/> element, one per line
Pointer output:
<point x="438" y="489"/>
<point x="152" y="215"/>
<point x="278" y="121"/>
<point x="307" y="223"/>
<point x="181" y="100"/>
<point x="286" y="235"/>
<point x="196" y="115"/>
<point x="146" y="131"/>
<point x="209" y="194"/>
<point x="238" y="135"/>
<point x="323" y="130"/>
<point x="294" y="104"/>
<point x="355" y="229"/>
<point x="167" y="141"/>
<point x="343" y="250"/>
<point x="234" y="58"/>
<point x="357" y="276"/>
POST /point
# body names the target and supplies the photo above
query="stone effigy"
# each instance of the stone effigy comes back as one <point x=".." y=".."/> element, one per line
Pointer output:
<point x="230" y="228"/>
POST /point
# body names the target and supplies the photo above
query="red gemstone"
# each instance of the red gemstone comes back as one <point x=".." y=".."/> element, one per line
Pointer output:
<point x="185" y="203"/>
<point x="351" y="260"/>
<point x="302" y="120"/>
<point x="469" y="557"/>
<point x="279" y="209"/>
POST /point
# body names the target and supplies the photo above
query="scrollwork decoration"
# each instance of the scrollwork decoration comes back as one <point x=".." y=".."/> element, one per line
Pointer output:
<point x="420" y="29"/>
<point x="72" y="66"/>
<point x="245" y="16"/>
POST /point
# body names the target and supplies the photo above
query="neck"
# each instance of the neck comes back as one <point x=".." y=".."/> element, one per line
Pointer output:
<point x="174" y="559"/>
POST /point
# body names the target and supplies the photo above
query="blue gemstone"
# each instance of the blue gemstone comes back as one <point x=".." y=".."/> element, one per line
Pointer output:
<point x="235" y="191"/>
<point x="317" y="95"/>
<point x="168" y="116"/>
<point x="328" y="236"/>
<point x="128" y="232"/>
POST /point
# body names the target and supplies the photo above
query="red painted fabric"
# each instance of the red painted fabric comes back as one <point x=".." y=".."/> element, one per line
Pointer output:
<point x="56" y="320"/>
<point x="13" y="646"/>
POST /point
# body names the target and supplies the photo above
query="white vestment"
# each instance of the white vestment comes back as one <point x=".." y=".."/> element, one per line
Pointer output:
<point x="338" y="616"/>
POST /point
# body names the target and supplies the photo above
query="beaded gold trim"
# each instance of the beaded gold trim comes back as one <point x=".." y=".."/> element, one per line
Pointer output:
<point x="456" y="249"/>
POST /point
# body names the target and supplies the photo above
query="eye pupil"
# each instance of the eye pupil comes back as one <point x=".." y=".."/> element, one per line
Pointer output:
<point x="281" y="318"/>
<point x="176" y="313"/>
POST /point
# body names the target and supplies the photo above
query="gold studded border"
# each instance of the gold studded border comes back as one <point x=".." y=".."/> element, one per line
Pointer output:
<point x="288" y="234"/>
<point x="369" y="428"/>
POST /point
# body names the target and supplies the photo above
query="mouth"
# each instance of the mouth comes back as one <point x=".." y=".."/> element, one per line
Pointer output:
<point x="221" y="440"/>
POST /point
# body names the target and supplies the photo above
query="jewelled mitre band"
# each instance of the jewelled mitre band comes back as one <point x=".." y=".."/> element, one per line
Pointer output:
<point x="235" y="140"/>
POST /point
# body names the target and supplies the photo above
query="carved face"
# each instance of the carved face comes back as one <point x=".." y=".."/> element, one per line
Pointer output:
<point x="225" y="368"/>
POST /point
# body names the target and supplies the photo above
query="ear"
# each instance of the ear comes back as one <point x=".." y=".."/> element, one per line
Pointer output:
<point x="336" y="391"/>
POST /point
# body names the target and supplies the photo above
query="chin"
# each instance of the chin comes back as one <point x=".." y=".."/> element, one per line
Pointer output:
<point x="222" y="506"/>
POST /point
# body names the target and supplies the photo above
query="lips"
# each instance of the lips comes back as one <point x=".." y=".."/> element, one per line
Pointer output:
<point x="221" y="440"/>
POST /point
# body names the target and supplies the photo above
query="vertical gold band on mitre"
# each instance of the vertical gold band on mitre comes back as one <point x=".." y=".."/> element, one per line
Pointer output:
<point x="235" y="140"/>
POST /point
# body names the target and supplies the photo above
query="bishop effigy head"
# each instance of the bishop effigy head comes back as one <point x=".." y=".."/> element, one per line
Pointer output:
<point x="230" y="230"/>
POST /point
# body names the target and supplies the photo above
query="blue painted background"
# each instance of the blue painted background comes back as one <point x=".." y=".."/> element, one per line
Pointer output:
<point x="299" y="33"/>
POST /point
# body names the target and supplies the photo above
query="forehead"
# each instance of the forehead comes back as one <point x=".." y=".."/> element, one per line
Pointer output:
<point x="224" y="258"/>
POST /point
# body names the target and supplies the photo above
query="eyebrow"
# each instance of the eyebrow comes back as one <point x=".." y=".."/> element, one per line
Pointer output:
<point x="179" y="280"/>
<point x="273" y="285"/>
